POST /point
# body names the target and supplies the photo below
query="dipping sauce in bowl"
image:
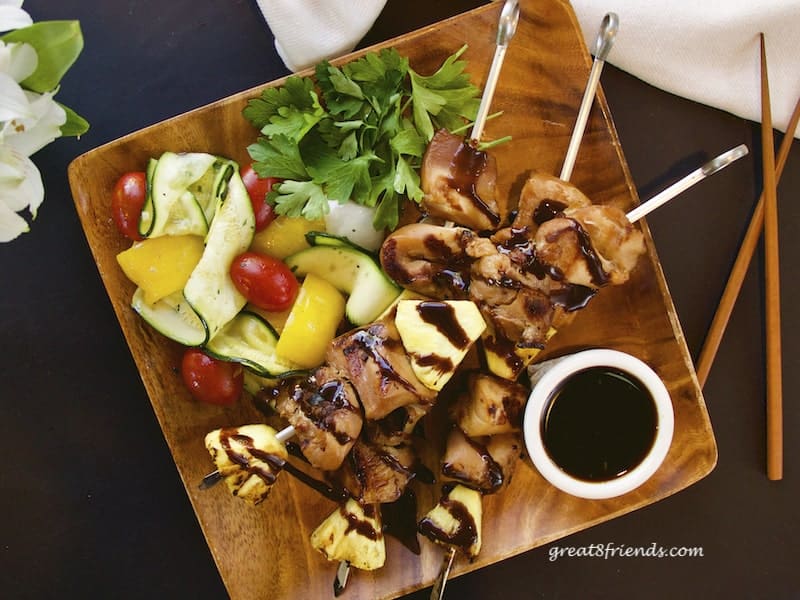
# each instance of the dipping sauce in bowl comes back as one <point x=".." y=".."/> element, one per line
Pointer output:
<point x="598" y="423"/>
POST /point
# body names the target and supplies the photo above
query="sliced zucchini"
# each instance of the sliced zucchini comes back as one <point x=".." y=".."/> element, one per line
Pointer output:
<point x="184" y="191"/>
<point x="323" y="238"/>
<point x="353" y="272"/>
<point x="210" y="290"/>
<point x="171" y="316"/>
<point x="250" y="340"/>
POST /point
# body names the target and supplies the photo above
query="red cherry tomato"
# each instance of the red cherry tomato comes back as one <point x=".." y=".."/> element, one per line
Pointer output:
<point x="265" y="281"/>
<point x="127" y="201"/>
<point x="257" y="189"/>
<point x="211" y="380"/>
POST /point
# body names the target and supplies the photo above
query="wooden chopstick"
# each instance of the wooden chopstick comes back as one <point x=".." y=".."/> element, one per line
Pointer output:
<point x="742" y="262"/>
<point x="772" y="284"/>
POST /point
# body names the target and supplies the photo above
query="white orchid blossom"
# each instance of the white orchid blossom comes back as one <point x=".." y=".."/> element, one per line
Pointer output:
<point x="28" y="122"/>
<point x="12" y="16"/>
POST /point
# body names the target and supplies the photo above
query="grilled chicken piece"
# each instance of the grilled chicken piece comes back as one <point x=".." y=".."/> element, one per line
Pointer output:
<point x="490" y="406"/>
<point x="437" y="336"/>
<point x="352" y="533"/>
<point x="377" y="474"/>
<point x="456" y="520"/>
<point x="544" y="197"/>
<point x="433" y="260"/>
<point x="376" y="364"/>
<point x="325" y="413"/>
<point x="485" y="463"/>
<point x="459" y="182"/>
<point x="249" y="458"/>
<point x="397" y="427"/>
<point x="613" y="237"/>
<point x="516" y="303"/>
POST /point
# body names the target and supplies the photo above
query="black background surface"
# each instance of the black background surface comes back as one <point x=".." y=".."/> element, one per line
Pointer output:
<point x="91" y="505"/>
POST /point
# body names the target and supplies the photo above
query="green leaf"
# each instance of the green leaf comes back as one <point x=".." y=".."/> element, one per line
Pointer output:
<point x="409" y="141"/>
<point x="406" y="181"/>
<point x="277" y="157"/>
<point x="387" y="213"/>
<point x="57" y="45"/>
<point x="350" y="180"/>
<point x="296" y="92"/>
<point x="299" y="199"/>
<point x="75" y="125"/>
<point x="294" y="122"/>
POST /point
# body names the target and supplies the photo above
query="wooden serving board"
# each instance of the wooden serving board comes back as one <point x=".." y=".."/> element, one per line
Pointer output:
<point x="263" y="552"/>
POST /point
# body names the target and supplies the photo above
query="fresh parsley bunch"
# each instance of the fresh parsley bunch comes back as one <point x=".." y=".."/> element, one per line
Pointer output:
<point x="356" y="132"/>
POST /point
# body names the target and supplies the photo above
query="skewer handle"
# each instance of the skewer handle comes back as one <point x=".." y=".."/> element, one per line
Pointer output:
<point x="605" y="40"/>
<point x="680" y="186"/>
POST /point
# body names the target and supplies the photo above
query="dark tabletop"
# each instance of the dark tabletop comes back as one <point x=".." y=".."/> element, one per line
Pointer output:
<point x="91" y="505"/>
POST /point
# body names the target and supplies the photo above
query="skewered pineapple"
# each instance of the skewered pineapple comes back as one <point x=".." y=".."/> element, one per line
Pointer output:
<point x="352" y="533"/>
<point x="437" y="336"/>
<point x="456" y="520"/>
<point x="249" y="458"/>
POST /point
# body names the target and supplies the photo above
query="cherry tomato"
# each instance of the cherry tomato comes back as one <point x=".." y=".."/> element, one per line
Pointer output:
<point x="211" y="380"/>
<point x="257" y="189"/>
<point x="265" y="281"/>
<point x="127" y="201"/>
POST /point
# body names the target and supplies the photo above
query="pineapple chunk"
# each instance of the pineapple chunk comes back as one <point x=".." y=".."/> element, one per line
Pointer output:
<point x="456" y="520"/>
<point x="161" y="265"/>
<point x="249" y="458"/>
<point x="352" y="533"/>
<point x="508" y="364"/>
<point x="437" y="336"/>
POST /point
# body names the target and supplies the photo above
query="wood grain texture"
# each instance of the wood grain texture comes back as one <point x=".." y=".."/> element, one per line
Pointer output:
<point x="264" y="551"/>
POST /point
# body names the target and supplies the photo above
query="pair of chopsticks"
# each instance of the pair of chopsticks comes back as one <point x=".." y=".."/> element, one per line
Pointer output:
<point x="765" y="217"/>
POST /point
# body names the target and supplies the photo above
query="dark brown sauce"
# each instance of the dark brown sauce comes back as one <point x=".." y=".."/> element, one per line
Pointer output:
<point x="370" y="342"/>
<point x="548" y="209"/>
<point x="361" y="527"/>
<point x="465" y="534"/>
<point x="400" y="520"/>
<point x="443" y="316"/>
<point x="572" y="296"/>
<point x="506" y="350"/>
<point x="442" y="364"/>
<point x="600" y="424"/>
<point x="451" y="269"/>
<point x="268" y="474"/>
<point x="492" y="479"/>
<point x="467" y="166"/>
<point x="593" y="262"/>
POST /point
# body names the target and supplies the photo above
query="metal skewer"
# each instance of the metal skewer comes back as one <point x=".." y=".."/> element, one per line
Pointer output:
<point x="437" y="591"/>
<point x="605" y="40"/>
<point x="283" y="436"/>
<point x="506" y="27"/>
<point x="711" y="167"/>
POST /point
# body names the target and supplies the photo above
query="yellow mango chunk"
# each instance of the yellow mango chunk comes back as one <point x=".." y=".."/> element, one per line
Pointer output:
<point x="284" y="236"/>
<point x="162" y="265"/>
<point x="312" y="323"/>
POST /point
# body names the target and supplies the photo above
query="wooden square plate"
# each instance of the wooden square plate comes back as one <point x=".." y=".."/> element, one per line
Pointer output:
<point x="263" y="552"/>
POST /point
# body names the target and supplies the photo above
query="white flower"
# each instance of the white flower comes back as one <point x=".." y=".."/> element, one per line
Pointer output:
<point x="12" y="16"/>
<point x="28" y="122"/>
<point x="20" y="188"/>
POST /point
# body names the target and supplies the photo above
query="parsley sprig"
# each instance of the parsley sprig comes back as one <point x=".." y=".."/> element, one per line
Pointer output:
<point x="356" y="132"/>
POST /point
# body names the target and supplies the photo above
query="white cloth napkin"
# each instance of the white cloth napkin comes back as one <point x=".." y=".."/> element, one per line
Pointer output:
<point x="308" y="31"/>
<point x="703" y="50"/>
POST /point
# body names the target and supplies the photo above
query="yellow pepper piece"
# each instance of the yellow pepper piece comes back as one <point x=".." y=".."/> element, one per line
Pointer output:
<point x="284" y="236"/>
<point x="162" y="265"/>
<point x="276" y="319"/>
<point x="312" y="323"/>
